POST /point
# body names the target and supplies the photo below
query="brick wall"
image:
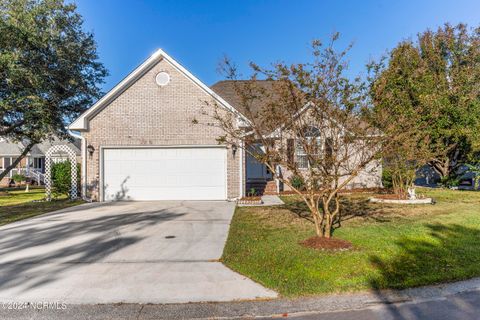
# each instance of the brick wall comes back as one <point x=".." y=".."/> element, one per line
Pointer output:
<point x="146" y="114"/>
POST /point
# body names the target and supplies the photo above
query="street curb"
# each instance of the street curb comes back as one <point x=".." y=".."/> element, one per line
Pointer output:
<point x="249" y="309"/>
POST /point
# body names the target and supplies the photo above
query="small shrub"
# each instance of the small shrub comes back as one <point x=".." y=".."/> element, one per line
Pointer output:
<point x="61" y="178"/>
<point x="452" y="180"/>
<point x="297" y="182"/>
<point x="18" y="178"/>
<point x="252" y="192"/>
<point x="387" y="178"/>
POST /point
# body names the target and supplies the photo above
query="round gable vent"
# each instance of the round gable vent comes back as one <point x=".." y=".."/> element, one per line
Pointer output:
<point x="162" y="78"/>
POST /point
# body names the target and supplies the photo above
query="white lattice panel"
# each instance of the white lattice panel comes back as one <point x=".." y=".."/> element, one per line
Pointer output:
<point x="48" y="169"/>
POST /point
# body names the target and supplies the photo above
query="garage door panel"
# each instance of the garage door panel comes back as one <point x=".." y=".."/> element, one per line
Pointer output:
<point x="164" y="174"/>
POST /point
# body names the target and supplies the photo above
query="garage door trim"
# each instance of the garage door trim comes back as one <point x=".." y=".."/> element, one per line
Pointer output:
<point x="203" y="146"/>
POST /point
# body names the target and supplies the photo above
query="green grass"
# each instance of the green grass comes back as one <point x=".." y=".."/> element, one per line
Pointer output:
<point x="16" y="204"/>
<point x="395" y="246"/>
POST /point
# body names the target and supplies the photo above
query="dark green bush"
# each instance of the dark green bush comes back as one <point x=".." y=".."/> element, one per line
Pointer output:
<point x="452" y="180"/>
<point x="18" y="178"/>
<point x="297" y="182"/>
<point x="61" y="178"/>
<point x="387" y="178"/>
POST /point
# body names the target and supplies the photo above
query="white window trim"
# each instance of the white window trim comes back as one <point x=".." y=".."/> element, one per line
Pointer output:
<point x="300" y="152"/>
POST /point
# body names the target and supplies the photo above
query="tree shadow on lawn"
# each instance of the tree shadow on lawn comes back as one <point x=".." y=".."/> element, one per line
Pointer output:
<point x="447" y="253"/>
<point x="349" y="208"/>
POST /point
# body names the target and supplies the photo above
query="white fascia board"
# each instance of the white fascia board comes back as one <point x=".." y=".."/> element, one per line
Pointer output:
<point x="81" y="123"/>
<point x="276" y="132"/>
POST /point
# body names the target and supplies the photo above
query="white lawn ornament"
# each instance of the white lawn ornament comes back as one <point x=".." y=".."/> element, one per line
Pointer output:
<point x="411" y="194"/>
<point x="48" y="170"/>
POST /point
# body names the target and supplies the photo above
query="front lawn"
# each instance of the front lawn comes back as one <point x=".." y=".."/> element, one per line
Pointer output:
<point x="16" y="204"/>
<point x="395" y="246"/>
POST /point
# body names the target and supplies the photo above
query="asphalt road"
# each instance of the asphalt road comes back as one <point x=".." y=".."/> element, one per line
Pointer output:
<point x="465" y="306"/>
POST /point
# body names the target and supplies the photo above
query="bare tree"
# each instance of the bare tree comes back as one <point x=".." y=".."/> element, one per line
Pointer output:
<point x="311" y="127"/>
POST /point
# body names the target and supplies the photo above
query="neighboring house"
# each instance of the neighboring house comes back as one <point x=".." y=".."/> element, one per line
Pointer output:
<point x="141" y="141"/>
<point x="426" y="176"/>
<point x="33" y="164"/>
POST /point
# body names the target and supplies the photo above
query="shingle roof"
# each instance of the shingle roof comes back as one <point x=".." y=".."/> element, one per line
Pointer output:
<point x="43" y="147"/>
<point x="9" y="148"/>
<point x="230" y="91"/>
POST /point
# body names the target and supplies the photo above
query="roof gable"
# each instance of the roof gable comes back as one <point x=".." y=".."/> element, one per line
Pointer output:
<point x="82" y="122"/>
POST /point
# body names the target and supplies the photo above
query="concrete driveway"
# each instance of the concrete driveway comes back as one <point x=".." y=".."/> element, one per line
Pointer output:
<point x="136" y="252"/>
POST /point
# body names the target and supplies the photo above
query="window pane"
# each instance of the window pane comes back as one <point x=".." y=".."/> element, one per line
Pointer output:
<point x="7" y="162"/>
<point x="299" y="148"/>
<point x="302" y="161"/>
<point x="1" y="163"/>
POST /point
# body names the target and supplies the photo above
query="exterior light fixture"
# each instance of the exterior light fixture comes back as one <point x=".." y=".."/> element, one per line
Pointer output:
<point x="234" y="149"/>
<point x="90" y="149"/>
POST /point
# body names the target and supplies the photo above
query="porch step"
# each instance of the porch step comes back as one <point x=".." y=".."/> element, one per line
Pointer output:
<point x="258" y="185"/>
<point x="261" y="187"/>
<point x="270" y="188"/>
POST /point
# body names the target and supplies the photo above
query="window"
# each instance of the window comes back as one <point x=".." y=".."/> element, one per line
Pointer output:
<point x="302" y="159"/>
<point x="38" y="163"/>
<point x="1" y="163"/>
<point x="312" y="136"/>
<point x="7" y="162"/>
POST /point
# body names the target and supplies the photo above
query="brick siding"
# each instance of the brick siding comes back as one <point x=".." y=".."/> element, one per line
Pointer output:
<point x="148" y="115"/>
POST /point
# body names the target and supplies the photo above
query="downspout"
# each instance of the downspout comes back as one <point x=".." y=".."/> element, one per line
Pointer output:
<point x="278" y="173"/>
<point x="242" y="152"/>
<point x="84" y="165"/>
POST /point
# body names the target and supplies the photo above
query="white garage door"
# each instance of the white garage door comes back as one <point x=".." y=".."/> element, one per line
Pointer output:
<point x="164" y="174"/>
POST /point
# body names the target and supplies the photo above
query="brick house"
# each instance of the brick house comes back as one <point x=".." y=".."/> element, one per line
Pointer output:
<point x="141" y="141"/>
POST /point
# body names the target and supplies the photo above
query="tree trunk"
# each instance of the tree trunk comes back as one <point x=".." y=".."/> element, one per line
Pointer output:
<point x="327" y="232"/>
<point x="442" y="167"/>
<point x="14" y="164"/>
<point x="316" y="220"/>
<point x="328" y="223"/>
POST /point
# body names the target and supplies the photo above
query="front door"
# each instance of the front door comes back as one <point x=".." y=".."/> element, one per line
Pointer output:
<point x="257" y="170"/>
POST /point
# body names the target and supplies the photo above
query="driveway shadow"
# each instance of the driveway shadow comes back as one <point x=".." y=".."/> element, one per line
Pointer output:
<point x="96" y="236"/>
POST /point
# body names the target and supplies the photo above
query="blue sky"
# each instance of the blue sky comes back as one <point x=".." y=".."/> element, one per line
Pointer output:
<point x="199" y="33"/>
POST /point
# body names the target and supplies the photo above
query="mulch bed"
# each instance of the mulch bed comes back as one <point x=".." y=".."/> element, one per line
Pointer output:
<point x="3" y="193"/>
<point x="251" y="198"/>
<point x="391" y="196"/>
<point x="330" y="244"/>
<point x="344" y="191"/>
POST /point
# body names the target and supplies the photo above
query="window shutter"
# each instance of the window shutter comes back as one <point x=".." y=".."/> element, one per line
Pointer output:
<point x="329" y="153"/>
<point x="291" y="151"/>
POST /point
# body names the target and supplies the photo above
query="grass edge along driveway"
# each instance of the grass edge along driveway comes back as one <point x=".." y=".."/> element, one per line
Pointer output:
<point x="17" y="204"/>
<point x="394" y="246"/>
